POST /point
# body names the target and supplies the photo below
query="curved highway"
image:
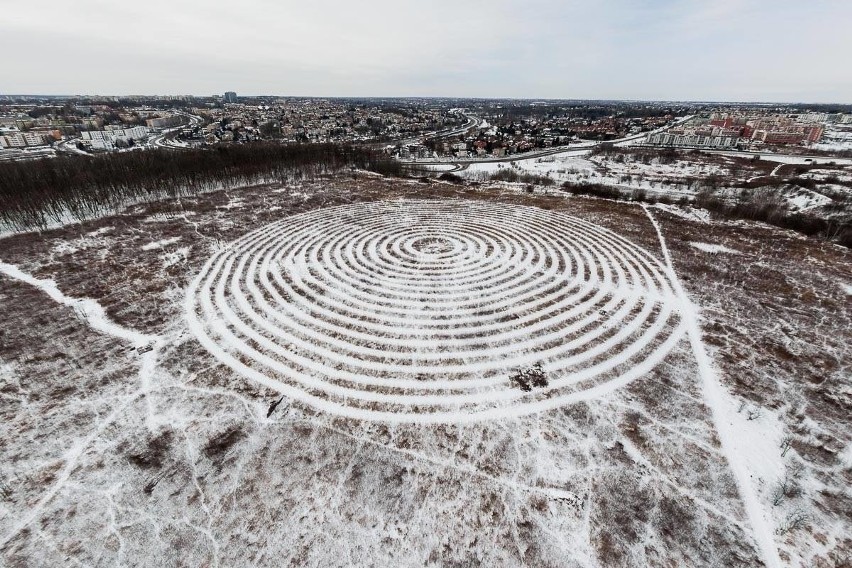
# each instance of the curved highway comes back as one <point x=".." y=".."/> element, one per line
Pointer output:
<point x="165" y="138"/>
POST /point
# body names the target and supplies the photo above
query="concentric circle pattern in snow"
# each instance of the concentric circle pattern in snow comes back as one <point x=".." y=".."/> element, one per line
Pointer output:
<point x="421" y="310"/>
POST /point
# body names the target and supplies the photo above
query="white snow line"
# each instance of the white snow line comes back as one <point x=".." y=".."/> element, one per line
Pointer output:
<point x="715" y="394"/>
<point x="89" y="310"/>
<point x="469" y="469"/>
<point x="70" y="458"/>
<point x="95" y="316"/>
<point x="418" y="311"/>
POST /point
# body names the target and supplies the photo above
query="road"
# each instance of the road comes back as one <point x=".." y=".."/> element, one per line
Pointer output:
<point x="783" y="158"/>
<point x="69" y="146"/>
<point x="164" y="139"/>
<point x="420" y="138"/>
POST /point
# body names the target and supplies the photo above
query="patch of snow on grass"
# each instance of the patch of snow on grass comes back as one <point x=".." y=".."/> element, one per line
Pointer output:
<point x="75" y="245"/>
<point x="808" y="199"/>
<point x="87" y="310"/>
<point x="175" y="257"/>
<point x="101" y="231"/>
<point x="758" y="440"/>
<point x="160" y="244"/>
<point x="713" y="249"/>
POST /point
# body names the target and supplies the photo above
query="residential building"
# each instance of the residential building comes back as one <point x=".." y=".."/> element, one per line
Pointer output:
<point x="33" y="138"/>
<point x="688" y="139"/>
<point x="13" y="139"/>
<point x="107" y="139"/>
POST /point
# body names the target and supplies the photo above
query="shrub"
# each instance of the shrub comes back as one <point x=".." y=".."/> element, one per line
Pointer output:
<point x="513" y="176"/>
<point x="527" y="379"/>
<point x="450" y="177"/>
<point x="592" y="189"/>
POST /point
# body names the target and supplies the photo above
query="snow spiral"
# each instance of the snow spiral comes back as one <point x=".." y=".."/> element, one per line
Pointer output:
<point x="420" y="310"/>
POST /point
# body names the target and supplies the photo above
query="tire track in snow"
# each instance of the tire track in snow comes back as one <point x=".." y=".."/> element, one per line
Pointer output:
<point x="715" y="396"/>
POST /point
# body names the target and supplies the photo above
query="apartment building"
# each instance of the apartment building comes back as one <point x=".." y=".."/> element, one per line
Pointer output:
<point x="21" y="139"/>
<point x="106" y="139"/>
<point x="691" y="139"/>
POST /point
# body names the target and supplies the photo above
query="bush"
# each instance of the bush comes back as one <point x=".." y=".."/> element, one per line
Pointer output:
<point x="767" y="210"/>
<point x="450" y="177"/>
<point x="527" y="379"/>
<point x="592" y="189"/>
<point x="803" y="182"/>
<point x="512" y="176"/>
<point x="760" y="207"/>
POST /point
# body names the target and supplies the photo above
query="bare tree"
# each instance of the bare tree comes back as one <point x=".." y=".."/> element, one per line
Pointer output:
<point x="788" y="486"/>
<point x="786" y="444"/>
<point x="797" y="519"/>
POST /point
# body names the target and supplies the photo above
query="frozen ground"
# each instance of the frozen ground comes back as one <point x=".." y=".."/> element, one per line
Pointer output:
<point x="625" y="172"/>
<point x="682" y="176"/>
<point x="713" y="249"/>
<point x="696" y="411"/>
<point x="836" y="138"/>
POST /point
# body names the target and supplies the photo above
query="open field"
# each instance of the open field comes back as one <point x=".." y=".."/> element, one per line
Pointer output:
<point x="823" y="188"/>
<point x="331" y="374"/>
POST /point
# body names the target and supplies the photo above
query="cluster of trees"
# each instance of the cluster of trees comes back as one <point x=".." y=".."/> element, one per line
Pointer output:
<point x="509" y="110"/>
<point x="34" y="194"/>
<point x="643" y="155"/>
<point x="593" y="190"/>
<point x="760" y="207"/>
<point x="510" y="175"/>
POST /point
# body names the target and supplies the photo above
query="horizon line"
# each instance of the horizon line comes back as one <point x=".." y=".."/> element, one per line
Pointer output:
<point x="446" y="97"/>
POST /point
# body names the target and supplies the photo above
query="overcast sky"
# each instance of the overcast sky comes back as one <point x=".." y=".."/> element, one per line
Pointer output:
<point x="736" y="50"/>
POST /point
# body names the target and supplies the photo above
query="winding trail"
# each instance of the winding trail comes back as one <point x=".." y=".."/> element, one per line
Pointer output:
<point x="716" y="398"/>
<point x="93" y="314"/>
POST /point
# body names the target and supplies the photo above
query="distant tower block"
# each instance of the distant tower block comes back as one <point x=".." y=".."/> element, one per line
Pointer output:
<point x="230" y="97"/>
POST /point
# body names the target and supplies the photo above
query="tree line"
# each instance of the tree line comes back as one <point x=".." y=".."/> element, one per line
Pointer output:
<point x="37" y="193"/>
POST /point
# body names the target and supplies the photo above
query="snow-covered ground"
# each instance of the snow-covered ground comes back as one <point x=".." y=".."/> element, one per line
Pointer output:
<point x="580" y="167"/>
<point x="681" y="177"/>
<point x="321" y="374"/>
<point x="787" y="158"/>
<point x="835" y="139"/>
<point x="804" y="199"/>
<point x="160" y="244"/>
<point x="713" y="249"/>
<point x="561" y="167"/>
